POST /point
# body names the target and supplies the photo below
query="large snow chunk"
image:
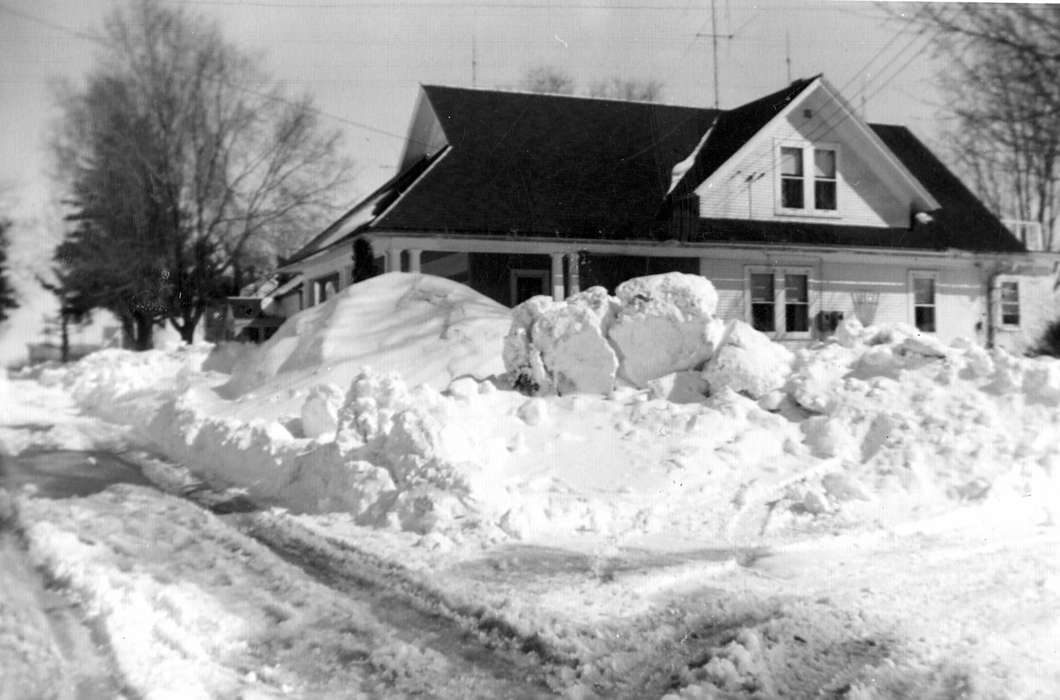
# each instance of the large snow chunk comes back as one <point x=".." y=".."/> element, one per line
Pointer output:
<point x="320" y="412"/>
<point x="428" y="329"/>
<point x="666" y="324"/>
<point x="748" y="362"/>
<point x="561" y="347"/>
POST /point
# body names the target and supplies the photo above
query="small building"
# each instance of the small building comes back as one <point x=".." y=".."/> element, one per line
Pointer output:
<point x="798" y="211"/>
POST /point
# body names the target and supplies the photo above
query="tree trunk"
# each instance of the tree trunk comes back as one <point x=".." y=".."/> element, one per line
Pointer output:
<point x="64" y="337"/>
<point x="144" y="337"/>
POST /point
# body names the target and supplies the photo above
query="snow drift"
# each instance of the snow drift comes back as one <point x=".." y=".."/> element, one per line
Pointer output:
<point x="428" y="329"/>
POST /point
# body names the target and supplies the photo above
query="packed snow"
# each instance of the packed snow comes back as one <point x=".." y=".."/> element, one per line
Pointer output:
<point x="638" y="450"/>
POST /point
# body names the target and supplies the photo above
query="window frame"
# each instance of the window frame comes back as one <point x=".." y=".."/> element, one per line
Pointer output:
<point x="517" y="273"/>
<point x="809" y="178"/>
<point x="780" y="302"/>
<point x="933" y="275"/>
<point x="999" y="303"/>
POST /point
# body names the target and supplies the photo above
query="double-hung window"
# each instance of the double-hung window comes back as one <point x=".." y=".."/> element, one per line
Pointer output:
<point x="1009" y="302"/>
<point x="792" y="180"/>
<point x="809" y="179"/>
<point x="779" y="300"/>
<point x="923" y="284"/>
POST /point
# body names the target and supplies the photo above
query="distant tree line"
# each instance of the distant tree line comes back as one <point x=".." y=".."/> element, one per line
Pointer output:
<point x="550" y="79"/>
<point x="187" y="171"/>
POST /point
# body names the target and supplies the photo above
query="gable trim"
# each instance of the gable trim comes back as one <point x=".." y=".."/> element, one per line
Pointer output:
<point x="438" y="159"/>
<point x="930" y="202"/>
<point x="754" y="142"/>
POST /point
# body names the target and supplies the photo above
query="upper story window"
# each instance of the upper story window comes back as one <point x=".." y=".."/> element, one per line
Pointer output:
<point x="791" y="178"/>
<point x="824" y="179"/>
<point x="805" y="189"/>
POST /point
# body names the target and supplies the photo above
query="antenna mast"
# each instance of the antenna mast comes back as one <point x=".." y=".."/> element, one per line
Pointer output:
<point x="787" y="52"/>
<point x="714" y="41"/>
<point x="714" y="36"/>
<point x="474" y="61"/>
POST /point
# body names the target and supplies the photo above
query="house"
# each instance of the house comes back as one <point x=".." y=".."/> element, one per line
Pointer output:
<point x="798" y="211"/>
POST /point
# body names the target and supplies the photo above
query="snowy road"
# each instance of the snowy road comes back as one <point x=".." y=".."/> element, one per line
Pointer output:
<point x="191" y="605"/>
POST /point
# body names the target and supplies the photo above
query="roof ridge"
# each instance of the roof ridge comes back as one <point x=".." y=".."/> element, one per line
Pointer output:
<point x="598" y="98"/>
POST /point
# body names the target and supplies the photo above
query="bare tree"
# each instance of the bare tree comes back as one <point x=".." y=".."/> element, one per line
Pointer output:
<point x="1004" y="102"/>
<point x="548" y="79"/>
<point x="649" y="90"/>
<point x="184" y="171"/>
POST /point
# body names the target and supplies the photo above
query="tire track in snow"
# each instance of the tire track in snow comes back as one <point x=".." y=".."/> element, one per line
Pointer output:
<point x="484" y="641"/>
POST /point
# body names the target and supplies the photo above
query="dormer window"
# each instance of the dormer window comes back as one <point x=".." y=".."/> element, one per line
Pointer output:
<point x="808" y="179"/>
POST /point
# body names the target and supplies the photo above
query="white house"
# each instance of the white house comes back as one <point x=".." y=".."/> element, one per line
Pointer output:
<point x="796" y="209"/>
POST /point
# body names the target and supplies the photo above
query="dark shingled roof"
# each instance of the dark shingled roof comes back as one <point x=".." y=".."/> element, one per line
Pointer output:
<point x="548" y="164"/>
<point x="555" y="165"/>
<point x="962" y="221"/>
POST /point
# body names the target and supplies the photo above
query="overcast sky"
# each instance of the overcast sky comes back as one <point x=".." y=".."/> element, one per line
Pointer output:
<point x="362" y="61"/>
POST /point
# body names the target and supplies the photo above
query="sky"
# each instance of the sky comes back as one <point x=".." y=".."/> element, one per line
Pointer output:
<point x="363" y="60"/>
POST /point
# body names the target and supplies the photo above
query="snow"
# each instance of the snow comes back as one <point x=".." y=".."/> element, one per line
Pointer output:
<point x="876" y="483"/>
<point x="428" y="329"/>
<point x="747" y="362"/>
<point x="653" y="327"/>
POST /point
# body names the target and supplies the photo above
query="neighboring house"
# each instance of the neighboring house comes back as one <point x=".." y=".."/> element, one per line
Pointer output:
<point x="798" y="211"/>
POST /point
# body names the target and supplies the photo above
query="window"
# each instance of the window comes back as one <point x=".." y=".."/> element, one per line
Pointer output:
<point x="325" y="287"/>
<point x="791" y="178"/>
<point x="805" y="188"/>
<point x="924" y="302"/>
<point x="796" y="303"/>
<point x="779" y="300"/>
<point x="824" y="179"/>
<point x="763" y="316"/>
<point x="1010" y="303"/>
<point x="528" y="283"/>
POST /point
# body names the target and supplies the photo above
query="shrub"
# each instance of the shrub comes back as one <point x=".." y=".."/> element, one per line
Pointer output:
<point x="1049" y="343"/>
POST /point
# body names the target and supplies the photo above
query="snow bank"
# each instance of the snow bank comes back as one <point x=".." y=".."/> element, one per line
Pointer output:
<point x="759" y="440"/>
<point x="428" y="329"/>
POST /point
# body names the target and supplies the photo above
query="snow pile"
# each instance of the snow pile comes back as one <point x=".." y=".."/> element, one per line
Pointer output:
<point x="655" y="326"/>
<point x="561" y="347"/>
<point x="665" y="324"/>
<point x="733" y="437"/>
<point x="747" y="362"/>
<point x="428" y="329"/>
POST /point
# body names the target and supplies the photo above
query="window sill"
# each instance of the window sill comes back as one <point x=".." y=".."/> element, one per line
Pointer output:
<point x="808" y="213"/>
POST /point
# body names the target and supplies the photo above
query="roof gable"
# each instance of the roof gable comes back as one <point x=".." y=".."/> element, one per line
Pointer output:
<point x="812" y="111"/>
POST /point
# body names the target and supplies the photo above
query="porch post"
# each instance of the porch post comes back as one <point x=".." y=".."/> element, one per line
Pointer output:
<point x="573" y="281"/>
<point x="414" y="260"/>
<point x="393" y="260"/>
<point x="557" y="276"/>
